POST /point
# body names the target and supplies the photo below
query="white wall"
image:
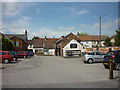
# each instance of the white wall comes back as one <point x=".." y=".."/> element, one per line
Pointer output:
<point x="67" y="47"/>
<point x="51" y="51"/>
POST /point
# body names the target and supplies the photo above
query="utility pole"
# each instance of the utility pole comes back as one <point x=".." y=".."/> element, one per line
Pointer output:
<point x="100" y="32"/>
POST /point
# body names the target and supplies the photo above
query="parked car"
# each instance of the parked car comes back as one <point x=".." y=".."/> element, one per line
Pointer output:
<point x="14" y="55"/>
<point x="29" y="53"/>
<point x="6" y="57"/>
<point x="93" y="56"/>
<point x="22" y="54"/>
<point x="113" y="55"/>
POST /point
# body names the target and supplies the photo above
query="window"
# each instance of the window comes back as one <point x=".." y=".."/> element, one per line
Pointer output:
<point x="73" y="45"/>
<point x="90" y="53"/>
<point x="30" y="46"/>
<point x="2" y="53"/>
<point x="97" y="53"/>
<point x="109" y="53"/>
<point x="15" y="43"/>
<point x="10" y="53"/>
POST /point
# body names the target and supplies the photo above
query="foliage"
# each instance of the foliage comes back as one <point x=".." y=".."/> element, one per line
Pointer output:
<point x="117" y="38"/>
<point x="107" y="42"/>
<point x="39" y="53"/>
<point x="82" y="34"/>
<point x="6" y="44"/>
<point x="35" y="37"/>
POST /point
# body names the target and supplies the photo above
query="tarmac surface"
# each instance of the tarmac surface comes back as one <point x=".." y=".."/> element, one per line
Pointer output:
<point x="56" y="72"/>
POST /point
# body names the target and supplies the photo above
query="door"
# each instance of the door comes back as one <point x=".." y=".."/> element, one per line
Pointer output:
<point x="97" y="56"/>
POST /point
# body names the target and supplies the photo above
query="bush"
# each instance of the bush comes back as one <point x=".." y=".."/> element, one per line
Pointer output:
<point x="39" y="53"/>
<point x="6" y="44"/>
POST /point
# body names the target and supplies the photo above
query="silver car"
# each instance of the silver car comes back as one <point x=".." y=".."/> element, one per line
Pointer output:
<point x="93" y="56"/>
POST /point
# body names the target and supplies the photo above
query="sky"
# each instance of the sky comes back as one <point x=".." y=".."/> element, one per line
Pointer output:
<point x="56" y="19"/>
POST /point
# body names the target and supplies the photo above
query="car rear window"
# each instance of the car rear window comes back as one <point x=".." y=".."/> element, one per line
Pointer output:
<point x="90" y="53"/>
<point x="10" y="53"/>
<point x="20" y="52"/>
<point x="2" y="53"/>
<point x="109" y="53"/>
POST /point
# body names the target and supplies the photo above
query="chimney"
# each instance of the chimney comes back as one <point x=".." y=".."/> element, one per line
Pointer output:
<point x="45" y="38"/>
<point x="26" y="34"/>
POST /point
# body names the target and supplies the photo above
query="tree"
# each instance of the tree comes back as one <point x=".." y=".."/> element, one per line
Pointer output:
<point x="117" y="38"/>
<point x="82" y="34"/>
<point x="6" y="44"/>
<point x="107" y="42"/>
<point x="35" y="37"/>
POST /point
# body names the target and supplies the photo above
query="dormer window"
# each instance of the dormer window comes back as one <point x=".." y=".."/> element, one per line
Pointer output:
<point x="15" y="43"/>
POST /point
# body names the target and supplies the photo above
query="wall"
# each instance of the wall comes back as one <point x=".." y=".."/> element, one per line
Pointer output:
<point x="89" y="44"/>
<point x="67" y="47"/>
<point x="22" y="45"/>
<point x="104" y="49"/>
<point x="51" y="51"/>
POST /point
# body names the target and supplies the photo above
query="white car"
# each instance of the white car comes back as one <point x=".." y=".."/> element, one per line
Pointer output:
<point x="93" y="56"/>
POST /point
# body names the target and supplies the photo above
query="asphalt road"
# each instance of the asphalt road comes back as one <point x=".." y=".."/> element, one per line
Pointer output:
<point x="56" y="72"/>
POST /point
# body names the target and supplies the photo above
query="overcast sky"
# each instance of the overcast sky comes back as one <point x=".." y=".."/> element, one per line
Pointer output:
<point x="55" y="19"/>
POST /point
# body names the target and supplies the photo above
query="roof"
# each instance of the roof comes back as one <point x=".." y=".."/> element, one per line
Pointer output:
<point x="2" y="35"/>
<point x="92" y="38"/>
<point x="64" y="40"/>
<point x="44" y="42"/>
<point x="30" y="41"/>
<point x="113" y="37"/>
<point x="21" y="36"/>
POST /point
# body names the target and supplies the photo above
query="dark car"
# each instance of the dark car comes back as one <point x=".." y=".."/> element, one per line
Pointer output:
<point x="6" y="56"/>
<point x="29" y="53"/>
<point x="112" y="55"/>
<point x="14" y="55"/>
<point x="22" y="54"/>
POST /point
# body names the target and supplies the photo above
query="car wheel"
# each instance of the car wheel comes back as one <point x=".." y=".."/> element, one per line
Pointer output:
<point x="90" y="61"/>
<point x="6" y="61"/>
<point x="15" y="59"/>
<point x="24" y="56"/>
<point x="106" y="67"/>
<point x="117" y="66"/>
<point x="85" y="62"/>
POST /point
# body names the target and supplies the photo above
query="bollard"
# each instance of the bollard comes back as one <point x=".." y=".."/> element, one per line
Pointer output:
<point x="111" y="69"/>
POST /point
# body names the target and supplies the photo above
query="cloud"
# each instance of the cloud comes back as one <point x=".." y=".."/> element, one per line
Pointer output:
<point x="11" y="9"/>
<point x="17" y="26"/>
<point x="108" y="27"/>
<point x="51" y="32"/>
<point x="79" y="12"/>
<point x="66" y="28"/>
<point x="38" y="10"/>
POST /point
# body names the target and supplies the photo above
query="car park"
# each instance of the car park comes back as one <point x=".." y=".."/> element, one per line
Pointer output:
<point x="14" y="55"/>
<point x="6" y="57"/>
<point x="114" y="56"/>
<point x="22" y="54"/>
<point x="93" y="56"/>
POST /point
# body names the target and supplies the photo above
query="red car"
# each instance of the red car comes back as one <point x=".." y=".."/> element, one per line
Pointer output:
<point x="6" y="57"/>
<point x="22" y="54"/>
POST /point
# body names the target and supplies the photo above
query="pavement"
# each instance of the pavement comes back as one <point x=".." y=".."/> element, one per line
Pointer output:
<point x="56" y="72"/>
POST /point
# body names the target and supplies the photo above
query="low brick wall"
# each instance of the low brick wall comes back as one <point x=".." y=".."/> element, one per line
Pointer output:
<point x="104" y="49"/>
